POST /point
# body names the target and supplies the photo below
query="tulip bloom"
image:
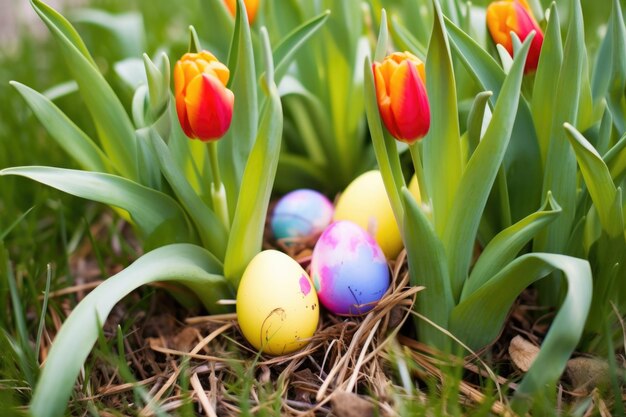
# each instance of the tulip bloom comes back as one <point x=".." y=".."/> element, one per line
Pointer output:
<point x="504" y="17"/>
<point x="401" y="96"/>
<point x="251" y="8"/>
<point x="203" y="103"/>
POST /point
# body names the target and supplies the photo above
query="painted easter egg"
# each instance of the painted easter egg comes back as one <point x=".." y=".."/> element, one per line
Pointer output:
<point x="277" y="306"/>
<point x="349" y="269"/>
<point x="301" y="213"/>
<point x="365" y="202"/>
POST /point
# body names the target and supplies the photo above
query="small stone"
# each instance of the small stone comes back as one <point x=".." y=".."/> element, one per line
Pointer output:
<point x="347" y="404"/>
<point x="523" y="353"/>
<point x="585" y="374"/>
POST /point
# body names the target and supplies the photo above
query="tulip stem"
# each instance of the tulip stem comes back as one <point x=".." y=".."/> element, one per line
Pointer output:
<point x="414" y="148"/>
<point x="218" y="192"/>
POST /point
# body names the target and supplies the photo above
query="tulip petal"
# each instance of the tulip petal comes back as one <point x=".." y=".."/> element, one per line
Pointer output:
<point x="383" y="99"/>
<point x="251" y="8"/>
<point x="179" y="79"/>
<point x="409" y="103"/>
<point x="504" y="17"/>
<point x="181" y="111"/>
<point x="500" y="22"/>
<point x="526" y="24"/>
<point x="209" y="107"/>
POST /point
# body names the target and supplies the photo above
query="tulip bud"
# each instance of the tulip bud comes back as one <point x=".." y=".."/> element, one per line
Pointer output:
<point x="401" y="96"/>
<point x="203" y="103"/>
<point x="504" y="17"/>
<point x="251" y="8"/>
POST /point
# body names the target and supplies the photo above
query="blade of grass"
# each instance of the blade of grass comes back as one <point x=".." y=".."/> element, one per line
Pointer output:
<point x="22" y="346"/>
<point x="17" y="221"/>
<point x="44" y="308"/>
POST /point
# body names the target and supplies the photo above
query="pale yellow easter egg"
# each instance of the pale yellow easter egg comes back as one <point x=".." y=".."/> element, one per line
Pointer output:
<point x="365" y="203"/>
<point x="277" y="305"/>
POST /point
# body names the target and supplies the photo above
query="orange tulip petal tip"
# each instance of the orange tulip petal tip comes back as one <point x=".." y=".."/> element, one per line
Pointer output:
<point x="401" y="96"/>
<point x="251" y="8"/>
<point x="504" y="17"/>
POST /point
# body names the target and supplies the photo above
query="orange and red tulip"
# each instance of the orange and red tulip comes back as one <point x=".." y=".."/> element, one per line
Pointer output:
<point x="251" y="8"/>
<point x="401" y="95"/>
<point x="203" y="103"/>
<point x="504" y="17"/>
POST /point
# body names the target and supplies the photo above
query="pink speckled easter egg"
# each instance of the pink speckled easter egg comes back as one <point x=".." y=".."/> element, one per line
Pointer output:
<point x="349" y="270"/>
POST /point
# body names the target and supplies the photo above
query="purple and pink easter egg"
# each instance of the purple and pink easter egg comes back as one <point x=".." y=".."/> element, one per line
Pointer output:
<point x="349" y="270"/>
<point x="301" y="213"/>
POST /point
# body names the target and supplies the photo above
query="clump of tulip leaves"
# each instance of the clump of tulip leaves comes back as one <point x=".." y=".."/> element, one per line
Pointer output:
<point x="534" y="173"/>
<point x="485" y="185"/>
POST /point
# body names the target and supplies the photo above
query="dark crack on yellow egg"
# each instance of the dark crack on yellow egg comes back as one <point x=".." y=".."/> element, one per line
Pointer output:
<point x="282" y="315"/>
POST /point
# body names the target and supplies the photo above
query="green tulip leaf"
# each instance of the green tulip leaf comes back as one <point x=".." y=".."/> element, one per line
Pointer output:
<point x="115" y="130"/>
<point x="405" y="39"/>
<point x="246" y="234"/>
<point x="384" y="146"/>
<point x="522" y="160"/>
<point x="60" y="90"/>
<point x="209" y="227"/>
<point x="478" y="319"/>
<point x="560" y="167"/>
<point x="186" y="264"/>
<point x="599" y="182"/>
<point x="604" y="133"/>
<point x="546" y="81"/>
<point x="617" y="86"/>
<point x="475" y="120"/>
<point x="505" y="246"/>
<point x="234" y="148"/>
<point x="442" y="144"/>
<point x="132" y="72"/>
<point x="290" y="44"/>
<point x="152" y="211"/>
<point x="69" y="136"/>
<point x="479" y="176"/>
<point x="616" y="159"/>
<point x="127" y="28"/>
<point x="428" y="268"/>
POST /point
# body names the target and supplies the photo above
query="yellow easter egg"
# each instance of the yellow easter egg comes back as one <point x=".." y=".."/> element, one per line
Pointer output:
<point x="277" y="306"/>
